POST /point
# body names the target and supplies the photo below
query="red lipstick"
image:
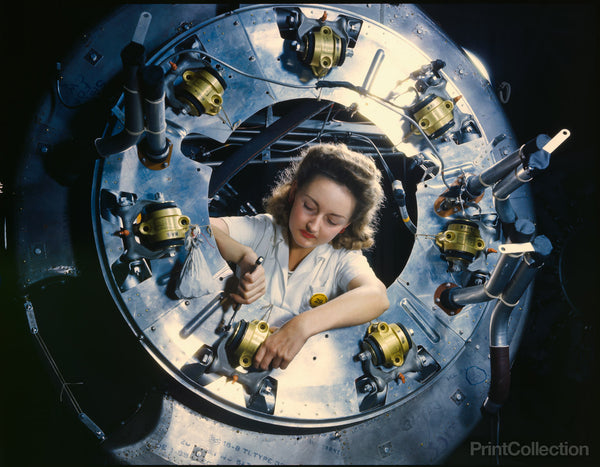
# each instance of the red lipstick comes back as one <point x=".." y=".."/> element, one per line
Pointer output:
<point x="305" y="234"/>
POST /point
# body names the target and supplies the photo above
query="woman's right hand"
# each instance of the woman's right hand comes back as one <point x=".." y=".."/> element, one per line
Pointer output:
<point x="252" y="281"/>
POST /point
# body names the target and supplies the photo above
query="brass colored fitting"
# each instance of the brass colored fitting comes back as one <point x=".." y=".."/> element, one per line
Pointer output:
<point x="247" y="337"/>
<point x="162" y="225"/>
<point x="202" y="90"/>
<point x="461" y="241"/>
<point x="323" y="49"/>
<point x="435" y="118"/>
<point x="387" y="344"/>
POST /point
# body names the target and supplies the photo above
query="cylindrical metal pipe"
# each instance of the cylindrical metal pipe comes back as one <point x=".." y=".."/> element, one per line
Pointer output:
<point x="511" y="182"/>
<point x="517" y="286"/>
<point x="458" y="297"/>
<point x="132" y="57"/>
<point x="525" y="273"/>
<point x="506" y="213"/>
<point x="499" y="345"/>
<point x="153" y="91"/>
<point x="476" y="184"/>
<point x="373" y="69"/>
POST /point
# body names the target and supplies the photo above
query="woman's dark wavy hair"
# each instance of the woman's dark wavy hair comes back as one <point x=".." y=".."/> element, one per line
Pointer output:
<point x="351" y="169"/>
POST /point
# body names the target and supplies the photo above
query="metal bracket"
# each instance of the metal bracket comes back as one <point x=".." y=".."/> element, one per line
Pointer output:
<point x="33" y="327"/>
<point x="516" y="248"/>
<point x="87" y="421"/>
<point x="141" y="29"/>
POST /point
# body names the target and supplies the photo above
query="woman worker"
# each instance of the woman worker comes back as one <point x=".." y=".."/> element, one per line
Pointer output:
<point x="319" y="216"/>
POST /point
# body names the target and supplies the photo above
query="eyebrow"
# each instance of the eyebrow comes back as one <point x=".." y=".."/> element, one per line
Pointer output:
<point x="329" y="213"/>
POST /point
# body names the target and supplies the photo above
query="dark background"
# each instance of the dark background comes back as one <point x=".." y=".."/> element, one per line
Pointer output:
<point x="548" y="54"/>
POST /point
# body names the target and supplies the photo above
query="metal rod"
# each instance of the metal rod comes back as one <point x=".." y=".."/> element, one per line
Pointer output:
<point x="373" y="69"/>
<point x="208" y="310"/>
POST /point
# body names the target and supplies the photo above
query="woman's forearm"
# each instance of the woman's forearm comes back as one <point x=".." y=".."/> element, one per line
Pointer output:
<point x="366" y="300"/>
<point x="230" y="249"/>
<point x="252" y="282"/>
<point x="357" y="306"/>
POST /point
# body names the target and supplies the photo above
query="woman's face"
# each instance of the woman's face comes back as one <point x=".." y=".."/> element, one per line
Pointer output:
<point x="320" y="210"/>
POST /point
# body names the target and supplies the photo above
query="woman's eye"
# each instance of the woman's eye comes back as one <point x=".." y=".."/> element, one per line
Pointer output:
<point x="308" y="208"/>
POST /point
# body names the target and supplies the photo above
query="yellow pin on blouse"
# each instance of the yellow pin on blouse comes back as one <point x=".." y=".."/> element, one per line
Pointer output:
<point x="318" y="299"/>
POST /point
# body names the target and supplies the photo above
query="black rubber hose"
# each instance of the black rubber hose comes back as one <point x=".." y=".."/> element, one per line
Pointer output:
<point x="500" y="379"/>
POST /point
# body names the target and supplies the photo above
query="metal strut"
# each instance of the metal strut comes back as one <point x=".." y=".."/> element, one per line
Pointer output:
<point x="238" y="160"/>
<point x="65" y="389"/>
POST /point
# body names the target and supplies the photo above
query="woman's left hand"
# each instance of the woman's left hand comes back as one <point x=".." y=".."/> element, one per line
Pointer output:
<point x="280" y="348"/>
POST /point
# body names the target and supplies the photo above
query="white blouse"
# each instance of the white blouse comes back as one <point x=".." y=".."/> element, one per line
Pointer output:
<point x="325" y="270"/>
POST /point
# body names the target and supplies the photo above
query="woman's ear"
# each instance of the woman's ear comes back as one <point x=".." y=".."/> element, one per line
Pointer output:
<point x="292" y="192"/>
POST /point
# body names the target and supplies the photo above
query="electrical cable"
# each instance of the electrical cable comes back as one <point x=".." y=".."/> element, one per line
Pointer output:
<point x="234" y="69"/>
<point x="320" y="84"/>
<point x="312" y="139"/>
